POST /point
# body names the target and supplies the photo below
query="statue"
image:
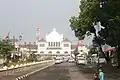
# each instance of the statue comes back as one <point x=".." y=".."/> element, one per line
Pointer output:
<point x="98" y="28"/>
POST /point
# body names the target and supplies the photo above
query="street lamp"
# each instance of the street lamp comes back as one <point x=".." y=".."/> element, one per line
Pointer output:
<point x="20" y="38"/>
<point x="14" y="46"/>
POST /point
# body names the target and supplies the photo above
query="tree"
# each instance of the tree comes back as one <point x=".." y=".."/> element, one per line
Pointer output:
<point x="111" y="22"/>
<point x="108" y="15"/>
<point x="32" y="57"/>
<point x="89" y="11"/>
<point x="6" y="48"/>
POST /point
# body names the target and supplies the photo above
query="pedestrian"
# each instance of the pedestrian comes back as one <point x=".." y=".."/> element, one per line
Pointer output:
<point x="96" y="77"/>
<point x="101" y="74"/>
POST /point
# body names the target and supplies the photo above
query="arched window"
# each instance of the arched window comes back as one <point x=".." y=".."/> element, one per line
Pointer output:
<point x="42" y="52"/>
<point x="58" y="52"/>
<point x="50" y="52"/>
<point x="65" y="52"/>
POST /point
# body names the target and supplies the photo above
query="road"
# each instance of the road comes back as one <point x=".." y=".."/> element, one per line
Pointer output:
<point x="23" y="71"/>
<point x="63" y="71"/>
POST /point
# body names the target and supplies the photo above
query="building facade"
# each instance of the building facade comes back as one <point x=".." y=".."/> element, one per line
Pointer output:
<point x="54" y="45"/>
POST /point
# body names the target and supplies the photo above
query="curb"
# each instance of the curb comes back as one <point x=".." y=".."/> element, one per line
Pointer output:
<point x="26" y="75"/>
<point x="29" y="64"/>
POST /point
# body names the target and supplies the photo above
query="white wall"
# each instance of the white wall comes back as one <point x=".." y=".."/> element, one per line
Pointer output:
<point x="68" y="49"/>
<point x="54" y="37"/>
<point x="42" y="48"/>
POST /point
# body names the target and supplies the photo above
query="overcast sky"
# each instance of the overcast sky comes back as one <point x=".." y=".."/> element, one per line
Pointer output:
<point x="22" y="16"/>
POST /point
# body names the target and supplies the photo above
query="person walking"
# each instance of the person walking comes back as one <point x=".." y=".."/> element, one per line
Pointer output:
<point x="101" y="74"/>
<point x="96" y="77"/>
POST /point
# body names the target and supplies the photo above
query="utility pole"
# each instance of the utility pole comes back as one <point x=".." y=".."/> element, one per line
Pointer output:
<point x="20" y="38"/>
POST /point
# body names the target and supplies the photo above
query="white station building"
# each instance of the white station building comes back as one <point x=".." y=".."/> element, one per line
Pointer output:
<point x="54" y="45"/>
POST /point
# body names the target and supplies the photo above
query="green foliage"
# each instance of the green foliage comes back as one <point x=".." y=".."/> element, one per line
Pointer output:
<point x="92" y="50"/>
<point x="32" y="57"/>
<point x="111" y="20"/>
<point x="108" y="15"/>
<point x="88" y="13"/>
<point x="6" y="48"/>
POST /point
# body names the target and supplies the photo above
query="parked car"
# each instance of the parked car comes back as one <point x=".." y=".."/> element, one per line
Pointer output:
<point x="71" y="60"/>
<point x="80" y="61"/>
<point x="57" y="61"/>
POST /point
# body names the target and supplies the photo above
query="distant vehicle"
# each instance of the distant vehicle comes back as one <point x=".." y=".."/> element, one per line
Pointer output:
<point x="71" y="60"/>
<point x="58" y="60"/>
<point x="80" y="60"/>
<point x="65" y="59"/>
<point x="101" y="60"/>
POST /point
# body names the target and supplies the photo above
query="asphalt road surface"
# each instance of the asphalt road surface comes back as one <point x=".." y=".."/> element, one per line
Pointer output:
<point x="63" y="71"/>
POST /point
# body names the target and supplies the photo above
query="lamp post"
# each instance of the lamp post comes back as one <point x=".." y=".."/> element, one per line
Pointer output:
<point x="20" y="38"/>
<point x="14" y="46"/>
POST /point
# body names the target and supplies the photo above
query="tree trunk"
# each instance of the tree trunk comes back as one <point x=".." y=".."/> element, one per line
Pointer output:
<point x="118" y="56"/>
<point x="107" y="58"/>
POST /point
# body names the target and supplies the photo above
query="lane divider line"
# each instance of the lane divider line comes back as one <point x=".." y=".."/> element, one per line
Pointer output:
<point x="26" y="75"/>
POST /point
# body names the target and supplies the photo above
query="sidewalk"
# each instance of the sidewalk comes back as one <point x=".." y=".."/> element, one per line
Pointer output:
<point x="110" y="72"/>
